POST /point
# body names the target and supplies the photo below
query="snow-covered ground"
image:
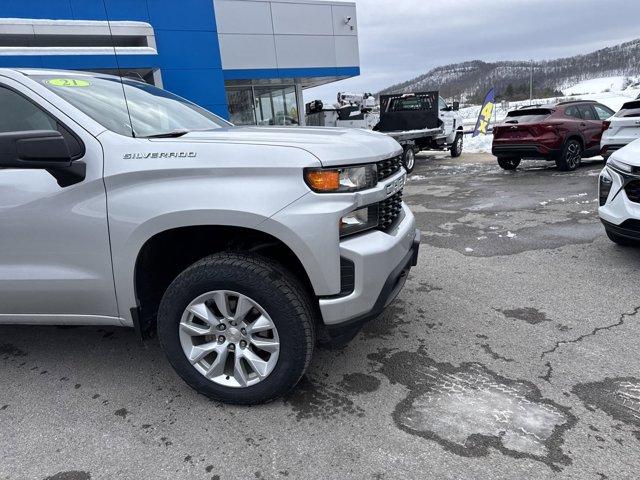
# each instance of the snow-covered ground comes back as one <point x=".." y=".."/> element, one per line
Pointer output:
<point x="599" y="85"/>
<point x="479" y="144"/>
<point x="607" y="90"/>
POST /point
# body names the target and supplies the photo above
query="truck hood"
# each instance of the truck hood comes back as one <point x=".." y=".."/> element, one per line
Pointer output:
<point x="332" y="146"/>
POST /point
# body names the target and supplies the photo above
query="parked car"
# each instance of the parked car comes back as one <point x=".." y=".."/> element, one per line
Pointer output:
<point x="619" y="195"/>
<point x="564" y="132"/>
<point x="122" y="204"/>
<point x="622" y="129"/>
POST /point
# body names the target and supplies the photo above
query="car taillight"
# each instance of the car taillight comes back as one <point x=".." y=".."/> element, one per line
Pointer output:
<point x="542" y="128"/>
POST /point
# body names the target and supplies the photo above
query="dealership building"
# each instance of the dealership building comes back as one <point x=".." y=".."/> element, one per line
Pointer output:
<point x="246" y="60"/>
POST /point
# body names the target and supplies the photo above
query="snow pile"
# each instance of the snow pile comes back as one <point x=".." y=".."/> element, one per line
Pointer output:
<point x="479" y="144"/>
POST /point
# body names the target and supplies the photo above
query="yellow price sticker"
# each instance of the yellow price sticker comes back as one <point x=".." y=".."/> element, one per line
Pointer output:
<point x="68" y="82"/>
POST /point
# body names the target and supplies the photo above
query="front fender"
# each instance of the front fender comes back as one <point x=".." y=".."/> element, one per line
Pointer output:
<point x="219" y="185"/>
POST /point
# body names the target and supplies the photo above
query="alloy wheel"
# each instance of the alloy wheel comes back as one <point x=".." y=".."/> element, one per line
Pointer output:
<point x="229" y="338"/>
<point x="574" y="154"/>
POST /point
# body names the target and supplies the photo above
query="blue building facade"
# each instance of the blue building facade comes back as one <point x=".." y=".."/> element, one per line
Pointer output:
<point x="185" y="34"/>
<point x="184" y="44"/>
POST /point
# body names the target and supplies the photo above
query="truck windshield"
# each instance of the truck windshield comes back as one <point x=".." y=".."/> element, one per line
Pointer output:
<point x="409" y="104"/>
<point x="143" y="110"/>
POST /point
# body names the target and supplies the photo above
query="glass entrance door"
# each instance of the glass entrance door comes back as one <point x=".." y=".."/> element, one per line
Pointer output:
<point x="276" y="105"/>
<point x="264" y="105"/>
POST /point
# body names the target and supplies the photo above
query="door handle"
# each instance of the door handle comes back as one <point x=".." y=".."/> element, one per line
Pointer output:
<point x="583" y="124"/>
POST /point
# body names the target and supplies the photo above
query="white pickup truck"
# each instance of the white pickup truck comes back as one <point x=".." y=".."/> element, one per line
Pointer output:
<point x="421" y="121"/>
<point x="417" y="121"/>
<point x="122" y="204"/>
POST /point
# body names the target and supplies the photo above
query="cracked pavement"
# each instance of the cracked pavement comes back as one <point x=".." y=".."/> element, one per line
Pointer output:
<point x="510" y="354"/>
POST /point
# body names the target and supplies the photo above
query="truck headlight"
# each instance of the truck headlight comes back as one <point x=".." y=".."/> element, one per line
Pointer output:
<point x="341" y="179"/>
<point x="359" y="220"/>
<point x="605" y="183"/>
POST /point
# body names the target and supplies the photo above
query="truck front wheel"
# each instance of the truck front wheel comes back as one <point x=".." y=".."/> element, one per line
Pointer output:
<point x="456" y="146"/>
<point x="409" y="159"/>
<point x="237" y="328"/>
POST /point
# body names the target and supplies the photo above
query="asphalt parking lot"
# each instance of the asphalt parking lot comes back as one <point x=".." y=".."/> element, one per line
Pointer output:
<point x="511" y="353"/>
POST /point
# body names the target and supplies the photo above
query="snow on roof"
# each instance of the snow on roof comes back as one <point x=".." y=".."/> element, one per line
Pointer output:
<point x="97" y="23"/>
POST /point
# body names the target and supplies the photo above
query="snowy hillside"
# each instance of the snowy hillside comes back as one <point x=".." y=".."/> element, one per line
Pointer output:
<point x="469" y="81"/>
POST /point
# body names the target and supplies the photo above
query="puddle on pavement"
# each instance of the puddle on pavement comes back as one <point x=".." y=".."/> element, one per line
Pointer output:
<point x="617" y="397"/>
<point x="314" y="399"/>
<point x="470" y="409"/>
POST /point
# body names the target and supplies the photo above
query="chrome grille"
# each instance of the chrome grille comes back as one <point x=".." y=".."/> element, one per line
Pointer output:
<point x="388" y="167"/>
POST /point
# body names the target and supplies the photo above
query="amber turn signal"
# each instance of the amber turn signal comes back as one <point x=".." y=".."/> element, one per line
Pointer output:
<point x="323" y="180"/>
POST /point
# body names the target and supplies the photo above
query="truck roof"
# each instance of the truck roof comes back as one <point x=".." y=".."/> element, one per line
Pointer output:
<point x="45" y="71"/>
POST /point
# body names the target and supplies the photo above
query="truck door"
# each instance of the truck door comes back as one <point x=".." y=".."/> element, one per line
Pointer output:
<point x="447" y="116"/>
<point x="55" y="260"/>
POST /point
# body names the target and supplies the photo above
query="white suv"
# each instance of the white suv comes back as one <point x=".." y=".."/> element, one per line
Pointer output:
<point x="624" y="128"/>
<point x="619" y="195"/>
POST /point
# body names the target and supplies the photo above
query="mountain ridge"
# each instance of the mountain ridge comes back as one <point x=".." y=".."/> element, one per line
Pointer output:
<point x="468" y="81"/>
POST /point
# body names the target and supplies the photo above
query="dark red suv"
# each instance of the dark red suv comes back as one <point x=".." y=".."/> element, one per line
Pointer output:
<point x="564" y="132"/>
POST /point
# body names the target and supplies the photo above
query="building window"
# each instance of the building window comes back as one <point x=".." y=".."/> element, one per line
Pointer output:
<point x="264" y="105"/>
<point x="241" y="110"/>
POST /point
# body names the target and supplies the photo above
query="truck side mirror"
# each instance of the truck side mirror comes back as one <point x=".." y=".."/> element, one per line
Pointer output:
<point x="44" y="150"/>
<point x="37" y="149"/>
<point x="455" y="106"/>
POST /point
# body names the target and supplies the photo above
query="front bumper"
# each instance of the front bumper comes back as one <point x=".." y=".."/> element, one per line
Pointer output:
<point x="381" y="261"/>
<point x="618" y="208"/>
<point x="628" y="229"/>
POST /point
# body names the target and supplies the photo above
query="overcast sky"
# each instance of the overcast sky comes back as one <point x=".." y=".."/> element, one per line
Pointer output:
<point x="400" y="39"/>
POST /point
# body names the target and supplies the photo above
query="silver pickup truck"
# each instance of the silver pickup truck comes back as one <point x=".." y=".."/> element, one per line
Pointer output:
<point x="123" y="204"/>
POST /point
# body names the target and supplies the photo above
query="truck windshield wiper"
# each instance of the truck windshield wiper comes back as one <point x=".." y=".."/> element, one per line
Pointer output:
<point x="171" y="134"/>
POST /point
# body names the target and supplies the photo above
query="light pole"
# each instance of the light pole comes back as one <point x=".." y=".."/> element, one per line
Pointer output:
<point x="531" y="85"/>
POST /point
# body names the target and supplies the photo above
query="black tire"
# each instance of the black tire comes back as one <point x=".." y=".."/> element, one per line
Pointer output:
<point x="409" y="159"/>
<point x="571" y="156"/>
<point x="622" y="241"/>
<point x="508" y="163"/>
<point x="456" y="146"/>
<point x="269" y="284"/>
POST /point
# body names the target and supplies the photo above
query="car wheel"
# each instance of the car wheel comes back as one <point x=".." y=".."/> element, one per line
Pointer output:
<point x="622" y="241"/>
<point x="456" y="147"/>
<point x="409" y="159"/>
<point x="571" y="156"/>
<point x="237" y="328"/>
<point x="508" y="163"/>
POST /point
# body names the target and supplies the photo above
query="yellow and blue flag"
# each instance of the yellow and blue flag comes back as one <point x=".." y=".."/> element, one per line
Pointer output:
<point x="485" y="114"/>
